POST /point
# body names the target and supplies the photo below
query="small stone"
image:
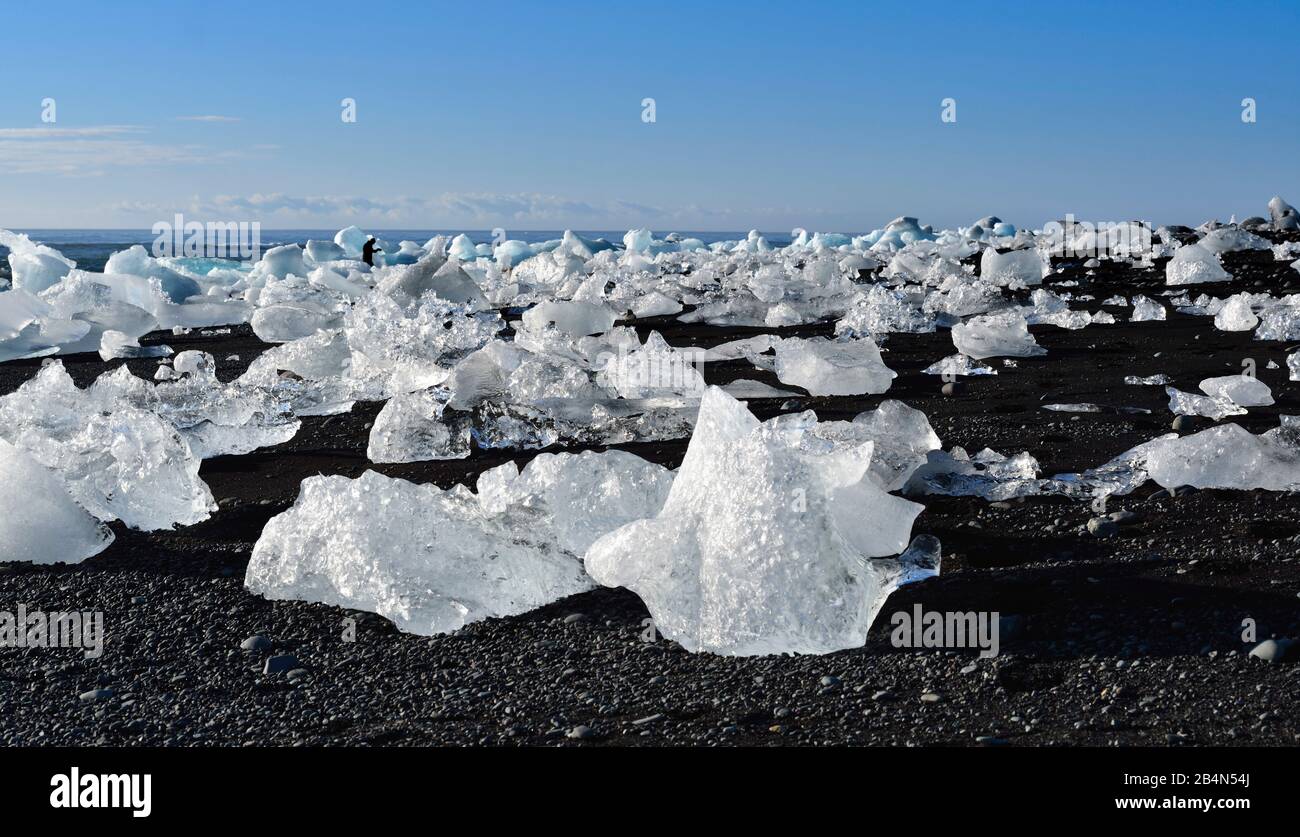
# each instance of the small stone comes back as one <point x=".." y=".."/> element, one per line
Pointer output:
<point x="1100" y="527"/>
<point x="1124" y="517"/>
<point x="280" y="663"/>
<point x="830" y="680"/>
<point x="256" y="643"/>
<point x="1274" y="651"/>
<point x="953" y="388"/>
<point x="581" y="731"/>
<point x="95" y="694"/>
<point x="1181" y="423"/>
<point x="883" y="695"/>
<point x="930" y="697"/>
<point x="574" y="618"/>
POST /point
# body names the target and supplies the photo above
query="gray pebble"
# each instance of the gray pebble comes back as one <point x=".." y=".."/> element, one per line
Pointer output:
<point x="280" y="663"/>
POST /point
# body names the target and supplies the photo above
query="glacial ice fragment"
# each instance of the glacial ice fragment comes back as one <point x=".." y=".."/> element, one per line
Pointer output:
<point x="433" y="561"/>
<point x="1194" y="264"/>
<point x="764" y="546"/>
<point x="958" y="364"/>
<point x="833" y="367"/>
<point x="1147" y="309"/>
<point x="1211" y="407"/>
<point x="1236" y="314"/>
<point x="39" y="520"/>
<point x="1242" y="390"/>
<point x="994" y="335"/>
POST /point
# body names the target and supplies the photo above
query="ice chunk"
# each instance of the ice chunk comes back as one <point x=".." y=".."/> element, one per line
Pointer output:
<point x="34" y="267"/>
<point x="576" y="319"/>
<point x="462" y="249"/>
<point x="1073" y="408"/>
<point x="433" y="561"/>
<point x="1145" y="309"/>
<point x="988" y="474"/>
<point x="115" y="344"/>
<point x="654" y="370"/>
<point x="1228" y="456"/>
<point x="282" y="261"/>
<point x="352" y="240"/>
<point x="118" y="461"/>
<point x="410" y="428"/>
<point x="764" y="547"/>
<point x="1017" y="268"/>
<point x="396" y="348"/>
<point x="136" y="261"/>
<point x="990" y="335"/>
<point x="447" y="279"/>
<point x="1279" y="322"/>
<point x="1157" y="380"/>
<point x="655" y="304"/>
<point x="1243" y="390"/>
<point x="1236" y="314"/>
<point x="901" y="435"/>
<point x="958" y="364"/>
<point x="1232" y="239"/>
<point x="638" y="241"/>
<point x="40" y="521"/>
<point x="1194" y="264"/>
<point x="744" y="389"/>
<point x="282" y="323"/>
<point x="883" y="310"/>
<point x="1189" y="404"/>
<point x="324" y="251"/>
<point x="833" y="367"/>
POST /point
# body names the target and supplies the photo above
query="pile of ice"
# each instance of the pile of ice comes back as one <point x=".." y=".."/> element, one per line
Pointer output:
<point x="1226" y="456"/>
<point x="55" y="308"/>
<point x="129" y="449"/>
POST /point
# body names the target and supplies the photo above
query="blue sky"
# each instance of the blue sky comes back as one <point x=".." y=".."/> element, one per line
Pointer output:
<point x="528" y="115"/>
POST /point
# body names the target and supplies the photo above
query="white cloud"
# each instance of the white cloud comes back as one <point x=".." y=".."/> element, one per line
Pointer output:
<point x="467" y="210"/>
<point x="94" y="150"/>
<point x="208" y="118"/>
<point x="49" y="132"/>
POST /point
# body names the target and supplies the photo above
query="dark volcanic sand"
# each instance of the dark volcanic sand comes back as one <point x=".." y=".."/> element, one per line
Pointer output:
<point x="1130" y="640"/>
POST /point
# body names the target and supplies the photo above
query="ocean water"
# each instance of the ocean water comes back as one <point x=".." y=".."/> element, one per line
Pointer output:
<point x="90" y="249"/>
